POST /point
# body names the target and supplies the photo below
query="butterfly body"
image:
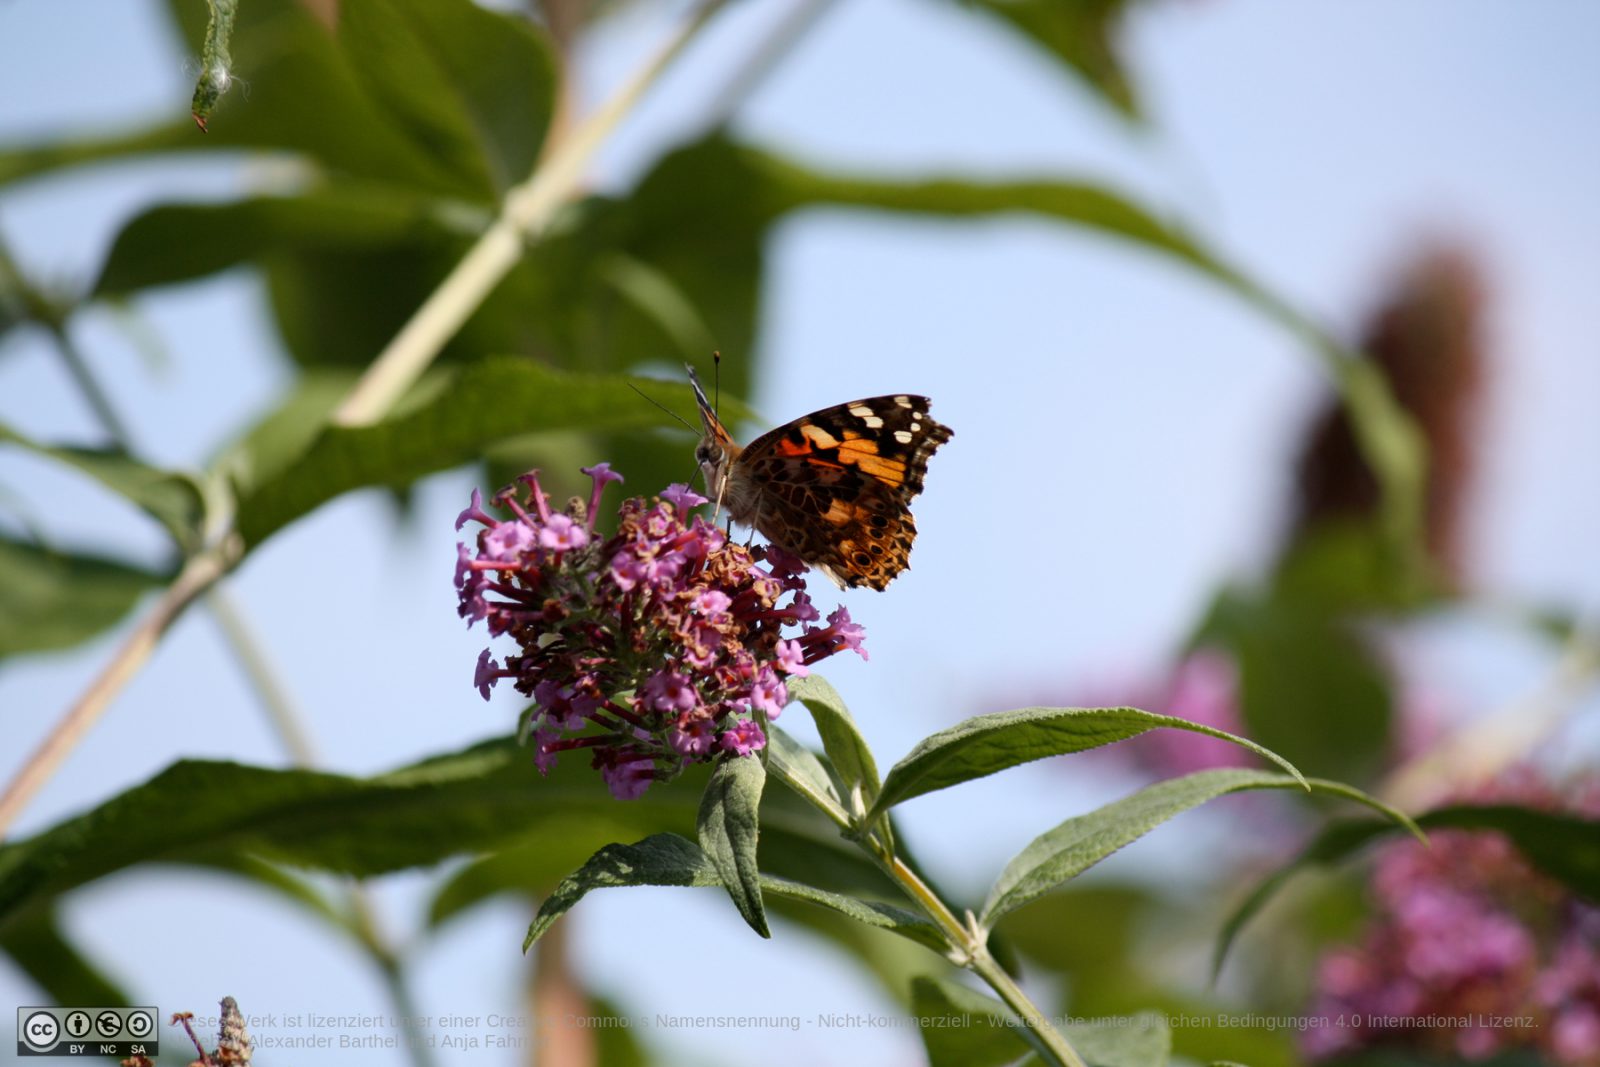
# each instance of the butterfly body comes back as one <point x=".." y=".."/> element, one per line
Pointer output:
<point x="834" y="487"/>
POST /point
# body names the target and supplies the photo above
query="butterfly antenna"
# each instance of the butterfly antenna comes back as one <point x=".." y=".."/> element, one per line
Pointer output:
<point x="716" y="383"/>
<point x="663" y="407"/>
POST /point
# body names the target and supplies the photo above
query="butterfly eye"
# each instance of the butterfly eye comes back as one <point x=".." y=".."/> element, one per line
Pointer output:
<point x="704" y="453"/>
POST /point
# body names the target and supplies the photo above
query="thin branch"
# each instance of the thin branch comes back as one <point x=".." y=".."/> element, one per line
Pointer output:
<point x="527" y="212"/>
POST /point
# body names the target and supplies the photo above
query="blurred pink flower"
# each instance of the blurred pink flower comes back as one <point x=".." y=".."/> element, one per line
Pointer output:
<point x="1469" y="952"/>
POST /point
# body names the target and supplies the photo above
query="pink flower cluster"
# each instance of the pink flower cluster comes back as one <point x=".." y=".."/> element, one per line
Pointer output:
<point x="1470" y="953"/>
<point x="658" y="647"/>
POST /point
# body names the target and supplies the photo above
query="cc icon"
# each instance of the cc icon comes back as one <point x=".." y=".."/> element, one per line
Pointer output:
<point x="41" y="1031"/>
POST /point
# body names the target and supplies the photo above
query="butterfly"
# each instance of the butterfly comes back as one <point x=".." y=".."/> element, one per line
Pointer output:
<point x="834" y="487"/>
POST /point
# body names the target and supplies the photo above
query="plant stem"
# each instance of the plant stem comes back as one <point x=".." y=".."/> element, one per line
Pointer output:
<point x="975" y="957"/>
<point x="526" y="213"/>
<point x="201" y="572"/>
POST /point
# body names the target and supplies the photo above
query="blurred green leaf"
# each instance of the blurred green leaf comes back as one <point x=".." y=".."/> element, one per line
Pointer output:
<point x="1563" y="846"/>
<point x="961" y="1027"/>
<point x="194" y="810"/>
<point x="180" y="242"/>
<point x="1079" y="33"/>
<point x="728" y="827"/>
<point x="19" y="162"/>
<point x="172" y="499"/>
<point x="51" y="600"/>
<point x="1308" y="686"/>
<point x="1142" y="1040"/>
<point x="488" y="401"/>
<point x="400" y="92"/>
<point x="39" y="949"/>
<point x="230" y="816"/>
<point x="1077" y="844"/>
<point x="471" y="87"/>
<point x="986" y="744"/>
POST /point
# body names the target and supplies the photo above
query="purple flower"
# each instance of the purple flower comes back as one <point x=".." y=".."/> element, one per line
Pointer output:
<point x="602" y="475"/>
<point x="628" y="779"/>
<point x="651" y="648"/>
<point x="692" y="735"/>
<point x="561" y="534"/>
<point x="669" y="691"/>
<point x="792" y="659"/>
<point x="840" y="635"/>
<point x="474" y="512"/>
<point x="682" y="498"/>
<point x="743" y="738"/>
<point x="767" y="693"/>
<point x="487" y="674"/>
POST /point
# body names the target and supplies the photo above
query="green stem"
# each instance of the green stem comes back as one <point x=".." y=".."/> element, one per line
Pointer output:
<point x="973" y="954"/>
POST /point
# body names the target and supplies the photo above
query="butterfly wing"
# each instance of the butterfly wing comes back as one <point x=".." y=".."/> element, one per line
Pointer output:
<point x="835" y="487"/>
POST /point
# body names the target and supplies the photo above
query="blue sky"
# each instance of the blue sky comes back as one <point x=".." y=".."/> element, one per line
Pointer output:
<point x="1122" y="427"/>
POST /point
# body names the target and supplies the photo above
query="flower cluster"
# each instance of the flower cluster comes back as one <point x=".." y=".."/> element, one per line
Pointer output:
<point x="1467" y="936"/>
<point x="660" y="646"/>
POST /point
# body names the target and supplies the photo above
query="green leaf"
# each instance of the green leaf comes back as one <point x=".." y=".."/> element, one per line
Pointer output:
<point x="847" y="750"/>
<point x="40" y="950"/>
<point x="484" y="798"/>
<point x="471" y="87"/>
<point x="489" y="401"/>
<point x="671" y="860"/>
<point x="1563" y="846"/>
<point x="173" y="243"/>
<point x="172" y="499"/>
<point x="799" y="768"/>
<point x="51" y="600"/>
<point x="871" y="913"/>
<point x="961" y="1027"/>
<point x="195" y="809"/>
<point x="391" y="98"/>
<point x="1079" y="33"/>
<point x="661" y="859"/>
<point x="1142" y="1040"/>
<point x="216" y="73"/>
<point x="986" y="744"/>
<point x="729" y="827"/>
<point x="20" y="162"/>
<point x="1079" y="843"/>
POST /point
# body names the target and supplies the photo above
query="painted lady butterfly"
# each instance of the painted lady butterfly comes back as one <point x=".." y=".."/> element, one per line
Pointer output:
<point x="834" y="487"/>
